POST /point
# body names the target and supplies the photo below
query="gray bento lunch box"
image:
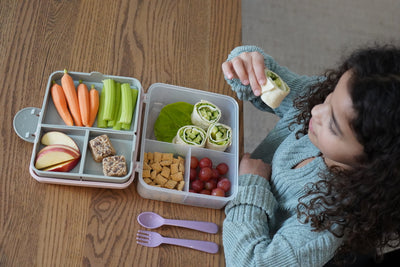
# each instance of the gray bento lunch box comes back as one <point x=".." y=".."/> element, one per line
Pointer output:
<point x="31" y="123"/>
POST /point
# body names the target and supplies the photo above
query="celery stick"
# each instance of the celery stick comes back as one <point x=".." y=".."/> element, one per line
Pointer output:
<point x="135" y="93"/>
<point x="109" y="105"/>
<point x="125" y="126"/>
<point x="117" y="124"/>
<point x="126" y="102"/>
<point x="112" y="122"/>
<point x="100" y="114"/>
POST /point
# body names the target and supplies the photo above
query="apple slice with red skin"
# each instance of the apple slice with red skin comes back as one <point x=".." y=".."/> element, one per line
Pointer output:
<point x="71" y="150"/>
<point x="55" y="154"/>
<point x="63" y="167"/>
<point x="55" y="137"/>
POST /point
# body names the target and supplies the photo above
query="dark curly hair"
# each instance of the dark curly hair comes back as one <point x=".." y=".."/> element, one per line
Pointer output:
<point x="361" y="204"/>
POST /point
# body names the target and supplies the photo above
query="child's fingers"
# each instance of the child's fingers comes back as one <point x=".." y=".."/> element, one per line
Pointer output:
<point x="239" y="67"/>
<point x="227" y="69"/>
<point x="255" y="86"/>
<point x="249" y="68"/>
<point x="259" y="68"/>
<point x="257" y="74"/>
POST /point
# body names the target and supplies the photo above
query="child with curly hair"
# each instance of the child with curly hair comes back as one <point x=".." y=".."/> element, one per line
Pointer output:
<point x="325" y="181"/>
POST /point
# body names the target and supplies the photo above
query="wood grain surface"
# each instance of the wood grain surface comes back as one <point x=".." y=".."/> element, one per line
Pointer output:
<point x="179" y="42"/>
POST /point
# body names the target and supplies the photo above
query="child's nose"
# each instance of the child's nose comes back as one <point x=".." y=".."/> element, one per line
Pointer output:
<point x="317" y="113"/>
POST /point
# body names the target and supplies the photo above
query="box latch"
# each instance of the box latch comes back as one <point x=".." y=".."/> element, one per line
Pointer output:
<point x="25" y="123"/>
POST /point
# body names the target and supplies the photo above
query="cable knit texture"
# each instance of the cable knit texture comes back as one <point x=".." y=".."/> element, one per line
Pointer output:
<point x="261" y="226"/>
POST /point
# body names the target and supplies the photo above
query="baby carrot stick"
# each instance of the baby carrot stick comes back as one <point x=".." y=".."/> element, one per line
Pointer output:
<point x="72" y="98"/>
<point x="58" y="97"/>
<point x="94" y="104"/>
<point x="84" y="106"/>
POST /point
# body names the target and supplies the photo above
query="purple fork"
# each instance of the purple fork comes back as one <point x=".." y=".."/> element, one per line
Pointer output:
<point x="153" y="239"/>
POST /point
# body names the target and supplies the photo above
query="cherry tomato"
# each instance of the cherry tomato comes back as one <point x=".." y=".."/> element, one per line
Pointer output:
<point x="224" y="184"/>
<point x="222" y="168"/>
<point x="218" y="192"/>
<point x="193" y="174"/>
<point x="197" y="185"/>
<point x="205" y="192"/>
<point x="205" y="174"/>
<point x="205" y="162"/>
<point x="194" y="162"/>
<point x="210" y="184"/>
<point x="215" y="180"/>
<point x="215" y="174"/>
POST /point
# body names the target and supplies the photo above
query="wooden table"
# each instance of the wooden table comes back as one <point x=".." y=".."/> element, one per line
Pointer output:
<point x="171" y="41"/>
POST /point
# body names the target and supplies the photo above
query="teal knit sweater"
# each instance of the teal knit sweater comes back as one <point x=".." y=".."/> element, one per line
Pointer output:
<point x="261" y="226"/>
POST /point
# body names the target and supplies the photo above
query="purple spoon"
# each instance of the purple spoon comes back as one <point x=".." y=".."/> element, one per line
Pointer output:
<point x="152" y="220"/>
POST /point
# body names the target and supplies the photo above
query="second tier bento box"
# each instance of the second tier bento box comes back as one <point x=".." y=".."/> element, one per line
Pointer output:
<point x="32" y="123"/>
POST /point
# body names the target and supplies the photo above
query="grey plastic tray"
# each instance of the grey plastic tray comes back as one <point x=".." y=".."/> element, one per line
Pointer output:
<point x="31" y="123"/>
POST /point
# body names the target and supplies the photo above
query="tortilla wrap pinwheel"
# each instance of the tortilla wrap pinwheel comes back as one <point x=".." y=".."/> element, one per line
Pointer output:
<point x="205" y="113"/>
<point x="219" y="137"/>
<point x="191" y="135"/>
<point x="275" y="90"/>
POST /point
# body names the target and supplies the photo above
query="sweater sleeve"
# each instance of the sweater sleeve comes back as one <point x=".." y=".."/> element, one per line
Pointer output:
<point x="248" y="240"/>
<point x="297" y="83"/>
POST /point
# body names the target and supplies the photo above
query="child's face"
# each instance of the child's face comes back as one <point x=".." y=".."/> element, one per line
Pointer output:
<point x="329" y="127"/>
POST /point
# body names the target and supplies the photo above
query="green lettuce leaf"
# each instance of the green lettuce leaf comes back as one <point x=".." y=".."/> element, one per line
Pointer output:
<point x="171" y="118"/>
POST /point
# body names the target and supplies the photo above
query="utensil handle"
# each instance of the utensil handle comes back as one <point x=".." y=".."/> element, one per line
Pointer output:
<point x="207" y="227"/>
<point x="205" y="246"/>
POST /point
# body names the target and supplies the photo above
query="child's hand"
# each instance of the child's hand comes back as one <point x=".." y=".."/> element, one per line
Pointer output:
<point x="254" y="166"/>
<point x="249" y="68"/>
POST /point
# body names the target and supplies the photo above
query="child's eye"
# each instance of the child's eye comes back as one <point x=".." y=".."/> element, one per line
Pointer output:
<point x="331" y="128"/>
